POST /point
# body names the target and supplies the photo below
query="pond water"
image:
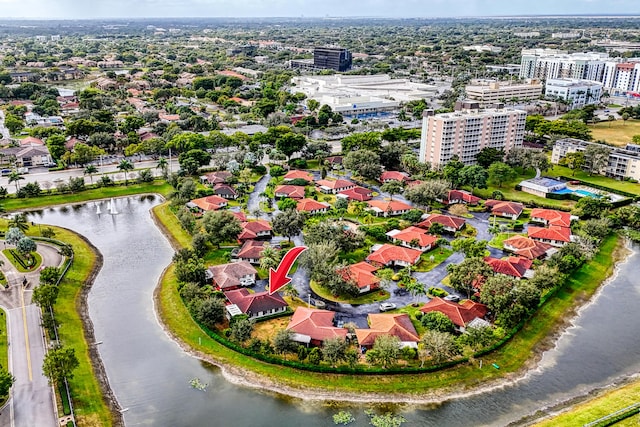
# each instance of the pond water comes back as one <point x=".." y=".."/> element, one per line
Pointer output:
<point x="150" y="374"/>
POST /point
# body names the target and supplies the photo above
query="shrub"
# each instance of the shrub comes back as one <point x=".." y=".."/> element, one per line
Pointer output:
<point x="259" y="169"/>
<point x="437" y="292"/>
<point x="276" y="171"/>
<point x="298" y="163"/>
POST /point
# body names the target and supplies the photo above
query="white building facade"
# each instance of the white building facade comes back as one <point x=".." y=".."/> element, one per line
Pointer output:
<point x="577" y="92"/>
<point x="622" y="163"/>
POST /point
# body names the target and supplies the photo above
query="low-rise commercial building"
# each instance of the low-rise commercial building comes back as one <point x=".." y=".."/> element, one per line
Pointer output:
<point x="577" y="92"/>
<point x="489" y="92"/>
<point x="622" y="163"/>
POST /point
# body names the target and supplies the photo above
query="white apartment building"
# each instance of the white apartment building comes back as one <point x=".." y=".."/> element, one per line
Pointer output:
<point x="578" y="92"/>
<point x="622" y="77"/>
<point x="623" y="162"/>
<point x="467" y="131"/>
<point x="557" y="64"/>
<point x="570" y="35"/>
<point x="482" y="48"/>
<point x="491" y="91"/>
<point x="527" y="34"/>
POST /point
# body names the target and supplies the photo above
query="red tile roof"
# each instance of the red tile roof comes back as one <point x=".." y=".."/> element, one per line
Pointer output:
<point x="229" y="275"/>
<point x="293" y="191"/>
<point x="388" y="253"/>
<point x="447" y="221"/>
<point x="551" y="217"/>
<point x="455" y="196"/>
<point x="240" y="215"/>
<point x="460" y="314"/>
<point x="210" y="203"/>
<point x="310" y="205"/>
<point x="526" y="247"/>
<point x="317" y="324"/>
<point x="411" y="233"/>
<point x="251" y="249"/>
<point x="500" y="207"/>
<point x="218" y="177"/>
<point x="298" y="174"/>
<point x="224" y="189"/>
<point x="560" y="234"/>
<point x="31" y="141"/>
<point x="361" y="274"/>
<point x="512" y="266"/>
<point x="397" y="325"/>
<point x="359" y="194"/>
<point x="254" y="303"/>
<point x="394" y="175"/>
<point x="389" y="205"/>
<point x="335" y="184"/>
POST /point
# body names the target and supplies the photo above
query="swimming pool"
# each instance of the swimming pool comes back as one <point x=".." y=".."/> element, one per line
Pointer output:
<point x="586" y="193"/>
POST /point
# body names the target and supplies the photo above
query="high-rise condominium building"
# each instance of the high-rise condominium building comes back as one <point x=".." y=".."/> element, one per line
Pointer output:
<point x="467" y="131"/>
<point x="556" y="64"/>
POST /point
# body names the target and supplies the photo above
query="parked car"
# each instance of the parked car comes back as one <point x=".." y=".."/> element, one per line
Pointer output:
<point x="386" y="306"/>
<point x="452" y="297"/>
<point x="5" y="172"/>
<point x="400" y="292"/>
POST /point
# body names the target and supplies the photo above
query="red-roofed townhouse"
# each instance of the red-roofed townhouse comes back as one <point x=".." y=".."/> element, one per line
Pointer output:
<point x="168" y="118"/>
<point x="359" y="194"/>
<point x="388" y="207"/>
<point x="396" y="325"/>
<point x="550" y="217"/>
<point x="391" y="255"/>
<point x="291" y="191"/>
<point x="413" y="237"/>
<point x="255" y="305"/>
<point x="226" y="191"/>
<point x="449" y="223"/>
<point x="460" y="314"/>
<point x="334" y="186"/>
<point x="361" y="274"/>
<point x="219" y="177"/>
<point x="232" y="275"/>
<point x="526" y="247"/>
<point x="394" y="176"/>
<point x="258" y="229"/>
<point x="71" y="143"/>
<point x="459" y="196"/>
<point x="312" y="326"/>
<point x="30" y="140"/>
<point x="555" y="236"/>
<point x="240" y="216"/>
<point x="312" y="207"/>
<point x="208" y="203"/>
<point x="513" y="266"/>
<point x="505" y="209"/>
<point x="251" y="251"/>
<point x="297" y="174"/>
<point x="334" y="161"/>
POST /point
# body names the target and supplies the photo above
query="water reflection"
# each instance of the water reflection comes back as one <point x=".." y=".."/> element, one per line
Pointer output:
<point x="150" y="374"/>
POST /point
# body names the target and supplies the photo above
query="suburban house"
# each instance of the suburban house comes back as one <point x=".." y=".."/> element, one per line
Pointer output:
<point x="334" y="186"/>
<point x="361" y="274"/>
<point x="208" y="203"/>
<point x="459" y="196"/>
<point x="33" y="156"/>
<point x="551" y="217"/>
<point x="527" y="248"/>
<point x="413" y="237"/>
<point x="460" y="314"/>
<point x="392" y="255"/>
<point x="312" y="326"/>
<point x="291" y="191"/>
<point x="396" y="325"/>
<point x="31" y="141"/>
<point x="298" y="174"/>
<point x="511" y="210"/>
<point x="388" y="207"/>
<point x="312" y="207"/>
<point x="257" y="229"/>
<point x="359" y="194"/>
<point x="241" y="216"/>
<point x="334" y="161"/>
<point x="255" y="305"/>
<point x="449" y="223"/>
<point x="554" y="235"/>
<point x="226" y="191"/>
<point x="250" y="251"/>
<point x="542" y="186"/>
<point x="232" y="275"/>
<point x="394" y="176"/>
<point x="213" y="178"/>
<point x="513" y="266"/>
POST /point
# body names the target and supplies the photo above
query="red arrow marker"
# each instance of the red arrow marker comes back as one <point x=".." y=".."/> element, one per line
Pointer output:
<point x="278" y="278"/>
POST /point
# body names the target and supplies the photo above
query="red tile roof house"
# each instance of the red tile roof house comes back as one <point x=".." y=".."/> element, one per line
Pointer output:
<point x="359" y="194"/>
<point x="334" y="186"/>
<point x="255" y="230"/>
<point x="449" y="223"/>
<point x="391" y="255"/>
<point x="361" y="274"/>
<point x="255" y="305"/>
<point x="551" y="217"/>
<point x="527" y="248"/>
<point x="513" y="266"/>
<point x="233" y="275"/>
<point x="555" y="236"/>
<point x="219" y="177"/>
<point x="292" y="191"/>
<point x="208" y="203"/>
<point x="226" y="191"/>
<point x="460" y="314"/>
<point x="388" y="207"/>
<point x="312" y="207"/>
<point x="30" y="140"/>
<point x="394" y="176"/>
<point x="510" y="210"/>
<point x="250" y="251"/>
<point x="413" y="237"/>
<point x="312" y="326"/>
<point x="460" y="196"/>
<point x="334" y="161"/>
<point x="297" y="174"/>
<point x="396" y="325"/>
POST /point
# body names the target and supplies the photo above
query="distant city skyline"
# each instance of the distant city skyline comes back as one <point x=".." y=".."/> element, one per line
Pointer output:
<point x="87" y="9"/>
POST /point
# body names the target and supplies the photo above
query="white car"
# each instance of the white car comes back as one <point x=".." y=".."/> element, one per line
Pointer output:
<point x="386" y="306"/>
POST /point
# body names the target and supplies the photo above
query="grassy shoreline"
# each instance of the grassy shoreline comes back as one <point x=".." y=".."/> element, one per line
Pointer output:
<point x="537" y="335"/>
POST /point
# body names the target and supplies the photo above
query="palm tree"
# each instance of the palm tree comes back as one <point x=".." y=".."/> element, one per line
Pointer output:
<point x="357" y="208"/>
<point x="368" y="219"/>
<point x="125" y="166"/>
<point x="90" y="170"/>
<point x="14" y="176"/>
<point x="290" y="291"/>
<point x="20" y="222"/>
<point x="269" y="258"/>
<point x="163" y="165"/>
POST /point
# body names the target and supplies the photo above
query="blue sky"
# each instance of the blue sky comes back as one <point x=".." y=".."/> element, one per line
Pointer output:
<point x="308" y="8"/>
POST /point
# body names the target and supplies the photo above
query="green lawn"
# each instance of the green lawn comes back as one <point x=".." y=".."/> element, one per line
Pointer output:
<point x="627" y="186"/>
<point x="16" y="264"/>
<point x="617" y="132"/>
<point x="496" y="242"/>
<point x="439" y="255"/>
<point x="4" y="343"/>
<point x="368" y="298"/>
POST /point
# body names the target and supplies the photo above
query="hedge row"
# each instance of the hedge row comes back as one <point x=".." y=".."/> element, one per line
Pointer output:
<point x="600" y="187"/>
